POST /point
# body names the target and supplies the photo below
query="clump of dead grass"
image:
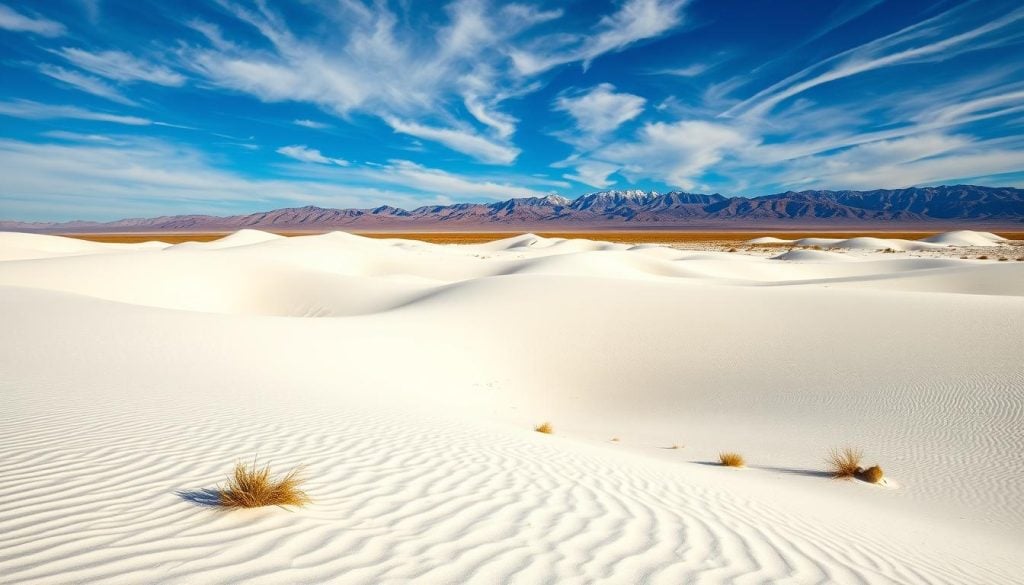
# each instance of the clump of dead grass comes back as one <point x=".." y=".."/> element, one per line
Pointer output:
<point x="845" y="462"/>
<point x="872" y="474"/>
<point x="545" y="427"/>
<point x="731" y="459"/>
<point x="253" y="487"/>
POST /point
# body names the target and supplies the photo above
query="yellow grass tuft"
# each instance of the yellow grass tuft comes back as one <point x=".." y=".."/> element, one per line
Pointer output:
<point x="252" y="487"/>
<point x="545" y="427"/>
<point x="731" y="459"/>
<point x="872" y="474"/>
<point x="845" y="462"/>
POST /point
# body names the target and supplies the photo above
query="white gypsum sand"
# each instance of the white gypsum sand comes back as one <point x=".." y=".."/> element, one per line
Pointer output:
<point x="408" y="378"/>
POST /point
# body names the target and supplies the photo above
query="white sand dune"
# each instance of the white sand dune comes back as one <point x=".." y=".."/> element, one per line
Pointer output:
<point x="133" y="377"/>
<point x="961" y="238"/>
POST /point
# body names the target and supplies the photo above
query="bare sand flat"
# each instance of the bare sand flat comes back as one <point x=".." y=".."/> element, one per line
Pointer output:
<point x="408" y="376"/>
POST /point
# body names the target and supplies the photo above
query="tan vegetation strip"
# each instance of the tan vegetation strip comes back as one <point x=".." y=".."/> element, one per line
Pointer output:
<point x="644" y="237"/>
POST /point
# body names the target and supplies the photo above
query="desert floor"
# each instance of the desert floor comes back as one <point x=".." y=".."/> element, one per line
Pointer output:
<point x="406" y="377"/>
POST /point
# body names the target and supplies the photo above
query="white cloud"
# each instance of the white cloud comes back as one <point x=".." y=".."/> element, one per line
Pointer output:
<point x="441" y="182"/>
<point x="676" y="153"/>
<point x="902" y="162"/>
<point x="931" y="40"/>
<point x="121" y="66"/>
<point x="634" y="21"/>
<point x="462" y="141"/>
<point x="599" y="112"/>
<point x="303" y="153"/>
<point x="150" y="177"/>
<point x="15" y="21"/>
<point x="86" y="83"/>
<point x="589" y="172"/>
<point x="29" y="110"/>
<point x="311" y="124"/>
<point x="447" y="85"/>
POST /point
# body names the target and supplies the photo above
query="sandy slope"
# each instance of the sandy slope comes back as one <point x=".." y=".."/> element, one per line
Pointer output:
<point x="131" y="373"/>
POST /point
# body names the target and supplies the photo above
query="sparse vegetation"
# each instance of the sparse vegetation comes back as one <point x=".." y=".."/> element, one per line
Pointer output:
<point x="963" y="257"/>
<point x="1003" y="258"/>
<point x="733" y="250"/>
<point x="253" y="487"/>
<point x="982" y="257"/>
<point x="888" y="251"/>
<point x="845" y="462"/>
<point x="731" y="459"/>
<point x="544" y="427"/>
<point x="872" y="474"/>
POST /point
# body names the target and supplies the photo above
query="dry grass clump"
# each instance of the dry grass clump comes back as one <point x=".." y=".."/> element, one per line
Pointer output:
<point x="733" y="250"/>
<point x="1003" y="258"/>
<point x="252" y="487"/>
<point x="982" y="257"/>
<point x="872" y="474"/>
<point x="544" y="427"/>
<point x="731" y="459"/>
<point x="845" y="462"/>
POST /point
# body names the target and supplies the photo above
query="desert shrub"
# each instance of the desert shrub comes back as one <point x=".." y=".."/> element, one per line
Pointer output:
<point x="731" y="459"/>
<point x="544" y="427"/>
<point x="733" y="250"/>
<point x="982" y="257"/>
<point x="845" y="462"/>
<point x="872" y="474"/>
<point x="816" y="248"/>
<point x="252" y="487"/>
<point x="888" y="251"/>
<point x="1003" y="258"/>
<point x="963" y="257"/>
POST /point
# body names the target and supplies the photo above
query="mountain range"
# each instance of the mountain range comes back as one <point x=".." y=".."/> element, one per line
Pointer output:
<point x="929" y="207"/>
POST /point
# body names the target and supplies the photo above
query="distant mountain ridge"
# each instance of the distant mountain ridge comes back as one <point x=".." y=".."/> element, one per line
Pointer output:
<point x="628" y="209"/>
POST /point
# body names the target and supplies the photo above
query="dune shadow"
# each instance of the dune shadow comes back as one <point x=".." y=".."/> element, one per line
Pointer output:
<point x="201" y="497"/>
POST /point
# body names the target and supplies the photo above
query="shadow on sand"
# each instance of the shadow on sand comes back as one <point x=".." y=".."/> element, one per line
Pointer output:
<point x="202" y="497"/>
<point x="786" y="470"/>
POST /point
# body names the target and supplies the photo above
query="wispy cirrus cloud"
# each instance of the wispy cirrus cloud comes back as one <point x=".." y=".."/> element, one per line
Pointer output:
<point x="634" y="21"/>
<point x="86" y="83"/>
<point x="942" y="37"/>
<point x="463" y="141"/>
<point x="19" y="22"/>
<point x="30" y="110"/>
<point x="303" y="153"/>
<point x="122" y="67"/>
<point x="310" y="124"/>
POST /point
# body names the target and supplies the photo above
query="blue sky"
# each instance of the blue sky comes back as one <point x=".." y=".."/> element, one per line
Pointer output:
<point x="125" y="108"/>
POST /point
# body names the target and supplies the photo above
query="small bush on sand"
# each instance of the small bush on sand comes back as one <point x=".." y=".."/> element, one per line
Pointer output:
<point x="731" y="459"/>
<point x="845" y="462"/>
<point x="872" y="474"/>
<point x="733" y="250"/>
<point x="544" y="427"/>
<point x="1003" y="258"/>
<point x="982" y="257"/>
<point x="963" y="257"/>
<point x="252" y="487"/>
